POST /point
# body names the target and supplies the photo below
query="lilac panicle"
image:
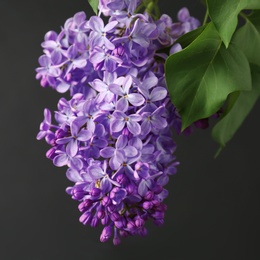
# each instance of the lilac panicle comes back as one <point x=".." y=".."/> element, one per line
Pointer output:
<point x="114" y="133"/>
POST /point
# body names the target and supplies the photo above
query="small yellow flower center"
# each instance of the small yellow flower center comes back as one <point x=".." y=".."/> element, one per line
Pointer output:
<point x="97" y="185"/>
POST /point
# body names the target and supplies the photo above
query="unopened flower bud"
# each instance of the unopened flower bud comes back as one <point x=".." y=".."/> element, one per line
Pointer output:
<point x="106" y="233"/>
<point x="85" y="205"/>
<point x="85" y="218"/>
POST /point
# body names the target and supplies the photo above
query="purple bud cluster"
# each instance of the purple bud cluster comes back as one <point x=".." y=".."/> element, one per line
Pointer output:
<point x="115" y="132"/>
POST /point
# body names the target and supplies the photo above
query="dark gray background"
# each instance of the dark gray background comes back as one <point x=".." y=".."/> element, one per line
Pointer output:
<point x="213" y="205"/>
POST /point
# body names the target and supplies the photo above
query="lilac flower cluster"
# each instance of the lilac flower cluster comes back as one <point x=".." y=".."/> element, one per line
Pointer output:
<point x="115" y="133"/>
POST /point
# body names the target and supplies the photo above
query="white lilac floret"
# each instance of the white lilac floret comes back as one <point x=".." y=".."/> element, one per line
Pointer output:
<point x="115" y="132"/>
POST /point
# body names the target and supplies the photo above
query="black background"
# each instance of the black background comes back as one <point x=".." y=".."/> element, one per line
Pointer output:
<point x="213" y="204"/>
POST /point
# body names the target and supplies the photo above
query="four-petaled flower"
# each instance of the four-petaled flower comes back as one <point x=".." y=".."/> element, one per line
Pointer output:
<point x="120" y="119"/>
<point x="122" y="87"/>
<point x="78" y="134"/>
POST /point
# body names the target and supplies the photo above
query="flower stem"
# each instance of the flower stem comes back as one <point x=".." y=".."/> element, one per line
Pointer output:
<point x="243" y="16"/>
<point x="151" y="7"/>
<point x="206" y="17"/>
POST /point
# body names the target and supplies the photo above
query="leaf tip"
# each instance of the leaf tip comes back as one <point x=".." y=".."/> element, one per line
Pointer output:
<point x="226" y="43"/>
<point x="184" y="126"/>
<point x="94" y="5"/>
<point x="218" y="152"/>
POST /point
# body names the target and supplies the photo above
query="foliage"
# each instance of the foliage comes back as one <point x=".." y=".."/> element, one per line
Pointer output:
<point x="94" y="5"/>
<point x="218" y="68"/>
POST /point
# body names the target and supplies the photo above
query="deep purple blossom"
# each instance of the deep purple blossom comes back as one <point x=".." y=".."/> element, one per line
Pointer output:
<point x="106" y="233"/>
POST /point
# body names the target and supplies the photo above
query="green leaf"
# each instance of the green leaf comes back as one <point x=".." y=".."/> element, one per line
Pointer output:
<point x="189" y="37"/>
<point x="146" y="2"/>
<point x="237" y="110"/>
<point x="201" y="76"/>
<point x="247" y="37"/>
<point x="224" y="14"/>
<point x="204" y="2"/>
<point x="94" y="5"/>
<point x="252" y="4"/>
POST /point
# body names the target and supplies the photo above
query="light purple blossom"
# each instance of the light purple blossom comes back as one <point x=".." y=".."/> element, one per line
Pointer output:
<point x="75" y="61"/>
<point x="114" y="133"/>
<point x="120" y="120"/>
<point x="188" y="23"/>
<point x="154" y="120"/>
<point x="118" y="154"/>
<point x="121" y="87"/>
<point x="99" y="32"/>
<point x="104" y="60"/>
<point x="45" y="125"/>
<point x="103" y="87"/>
<point x="68" y="158"/>
<point x="78" y="134"/>
<point x="47" y="67"/>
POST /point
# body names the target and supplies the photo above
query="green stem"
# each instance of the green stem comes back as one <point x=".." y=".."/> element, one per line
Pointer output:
<point x="218" y="152"/>
<point x="243" y="16"/>
<point x="137" y="10"/>
<point x="151" y="7"/>
<point x="206" y="17"/>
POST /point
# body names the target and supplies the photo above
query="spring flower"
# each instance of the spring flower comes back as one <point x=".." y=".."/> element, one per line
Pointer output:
<point x="114" y="134"/>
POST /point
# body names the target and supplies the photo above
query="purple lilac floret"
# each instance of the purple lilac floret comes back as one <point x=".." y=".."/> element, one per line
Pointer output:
<point x="114" y="134"/>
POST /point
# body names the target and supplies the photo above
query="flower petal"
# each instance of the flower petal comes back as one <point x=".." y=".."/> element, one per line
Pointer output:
<point x="96" y="172"/>
<point x="73" y="175"/>
<point x="142" y="188"/>
<point x="114" y="162"/>
<point x="72" y="147"/>
<point x="105" y="185"/>
<point x="136" y="99"/>
<point x="60" y="160"/>
<point x="107" y="152"/>
<point x="121" y="142"/>
<point x="130" y="151"/>
<point x="84" y="135"/>
<point x="134" y="127"/>
<point x="146" y="127"/>
<point x="96" y="23"/>
<point x="117" y="125"/>
<point x="158" y="93"/>
<point x="122" y="104"/>
<point x="110" y="26"/>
